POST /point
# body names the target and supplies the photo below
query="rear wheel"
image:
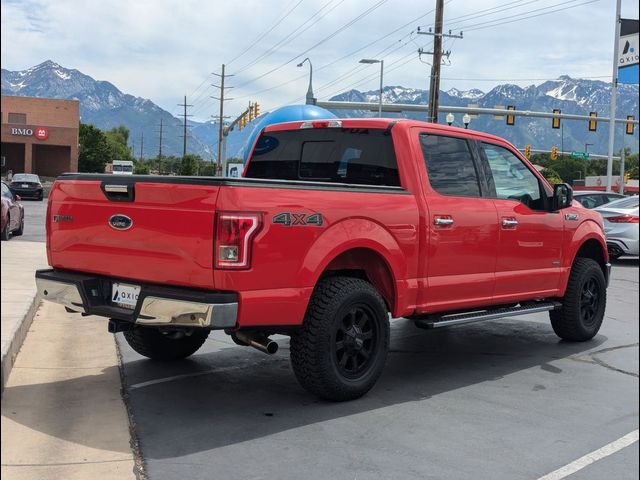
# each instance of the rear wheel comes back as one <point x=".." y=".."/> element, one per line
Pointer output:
<point x="170" y="345"/>
<point x="583" y="304"/>
<point x="6" y="231"/>
<point x="20" y="229"/>
<point x="340" y="350"/>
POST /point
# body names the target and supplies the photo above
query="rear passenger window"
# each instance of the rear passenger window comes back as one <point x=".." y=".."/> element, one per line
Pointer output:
<point x="450" y="165"/>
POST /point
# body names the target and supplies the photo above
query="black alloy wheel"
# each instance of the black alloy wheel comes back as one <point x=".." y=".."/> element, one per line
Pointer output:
<point x="355" y="339"/>
<point x="589" y="301"/>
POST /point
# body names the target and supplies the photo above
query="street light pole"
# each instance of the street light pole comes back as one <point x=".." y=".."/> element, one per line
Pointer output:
<point x="381" y="62"/>
<point x="310" y="99"/>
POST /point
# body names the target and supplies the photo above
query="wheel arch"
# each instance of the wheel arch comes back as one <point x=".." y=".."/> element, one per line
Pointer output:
<point x="361" y="248"/>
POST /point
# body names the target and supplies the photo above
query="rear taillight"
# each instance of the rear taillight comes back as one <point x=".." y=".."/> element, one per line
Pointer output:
<point x="623" y="219"/>
<point x="234" y="237"/>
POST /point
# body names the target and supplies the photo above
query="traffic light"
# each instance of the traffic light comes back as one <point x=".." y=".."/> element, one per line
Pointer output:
<point x="629" y="126"/>
<point x="256" y="110"/>
<point x="527" y="151"/>
<point x="627" y="176"/>
<point x="593" y="125"/>
<point x="555" y="121"/>
<point x="511" y="119"/>
<point x="250" y="112"/>
<point x="554" y="153"/>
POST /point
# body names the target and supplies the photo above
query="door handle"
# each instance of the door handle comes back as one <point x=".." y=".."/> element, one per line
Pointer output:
<point x="509" y="222"/>
<point x="443" y="221"/>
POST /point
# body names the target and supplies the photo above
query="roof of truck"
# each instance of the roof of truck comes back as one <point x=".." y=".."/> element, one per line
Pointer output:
<point x="384" y="123"/>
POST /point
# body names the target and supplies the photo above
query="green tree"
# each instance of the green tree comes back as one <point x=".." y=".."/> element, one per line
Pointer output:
<point x="551" y="175"/>
<point x="94" y="149"/>
<point x="189" y="164"/>
<point x="118" y="138"/>
<point x="141" y="168"/>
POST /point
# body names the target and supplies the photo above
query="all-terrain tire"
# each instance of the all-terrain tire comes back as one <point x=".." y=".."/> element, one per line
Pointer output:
<point x="152" y="343"/>
<point x="580" y="317"/>
<point x="340" y="350"/>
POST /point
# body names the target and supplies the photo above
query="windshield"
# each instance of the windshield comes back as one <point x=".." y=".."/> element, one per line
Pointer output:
<point x="25" y="177"/>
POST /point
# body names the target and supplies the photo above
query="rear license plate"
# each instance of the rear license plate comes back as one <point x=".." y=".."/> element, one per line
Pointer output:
<point x="125" y="295"/>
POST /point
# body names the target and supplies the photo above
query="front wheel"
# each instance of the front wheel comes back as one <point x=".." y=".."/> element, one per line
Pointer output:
<point x="580" y="317"/>
<point x="170" y="345"/>
<point x="340" y="350"/>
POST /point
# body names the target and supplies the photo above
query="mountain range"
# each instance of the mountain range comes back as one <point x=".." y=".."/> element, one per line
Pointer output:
<point x="104" y="105"/>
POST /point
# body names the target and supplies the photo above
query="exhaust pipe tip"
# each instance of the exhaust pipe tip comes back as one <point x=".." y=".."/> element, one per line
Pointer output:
<point x="257" y="340"/>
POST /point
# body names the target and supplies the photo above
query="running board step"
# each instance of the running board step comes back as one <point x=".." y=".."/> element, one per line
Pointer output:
<point x="437" y="321"/>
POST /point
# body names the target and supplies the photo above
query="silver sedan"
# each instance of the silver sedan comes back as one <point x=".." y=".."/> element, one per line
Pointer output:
<point x="621" y="226"/>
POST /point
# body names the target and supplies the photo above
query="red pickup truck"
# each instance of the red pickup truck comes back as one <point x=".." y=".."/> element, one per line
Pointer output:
<point x="336" y="227"/>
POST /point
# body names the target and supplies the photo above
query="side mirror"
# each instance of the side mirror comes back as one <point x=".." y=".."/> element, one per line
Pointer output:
<point x="562" y="197"/>
<point x="18" y="198"/>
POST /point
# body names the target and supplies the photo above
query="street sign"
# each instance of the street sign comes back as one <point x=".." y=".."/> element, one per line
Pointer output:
<point x="579" y="155"/>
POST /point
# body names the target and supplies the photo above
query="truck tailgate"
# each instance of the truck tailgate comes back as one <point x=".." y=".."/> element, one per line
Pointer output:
<point x="168" y="240"/>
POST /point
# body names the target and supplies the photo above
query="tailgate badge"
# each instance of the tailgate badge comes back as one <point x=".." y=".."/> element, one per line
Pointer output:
<point x="120" y="222"/>
<point x="62" y="218"/>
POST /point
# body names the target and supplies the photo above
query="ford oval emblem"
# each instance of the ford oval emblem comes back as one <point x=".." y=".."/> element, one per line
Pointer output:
<point x="120" y="222"/>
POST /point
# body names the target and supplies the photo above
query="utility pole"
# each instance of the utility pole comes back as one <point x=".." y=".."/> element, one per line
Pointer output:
<point x="434" y="82"/>
<point x="184" y="121"/>
<point x="160" y="151"/>
<point x="614" y="93"/>
<point x="221" y="98"/>
<point x="141" y="144"/>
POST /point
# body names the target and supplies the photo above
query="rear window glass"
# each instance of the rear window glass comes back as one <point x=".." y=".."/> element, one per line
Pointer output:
<point x="351" y="155"/>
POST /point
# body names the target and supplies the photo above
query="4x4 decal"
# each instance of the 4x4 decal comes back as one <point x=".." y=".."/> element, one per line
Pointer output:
<point x="298" y="219"/>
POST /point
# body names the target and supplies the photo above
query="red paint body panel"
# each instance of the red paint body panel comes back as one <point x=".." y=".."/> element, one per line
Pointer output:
<point x="418" y="267"/>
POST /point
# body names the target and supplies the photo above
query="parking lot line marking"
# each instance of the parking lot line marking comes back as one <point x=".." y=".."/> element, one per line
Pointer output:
<point x="185" y="375"/>
<point x="589" y="458"/>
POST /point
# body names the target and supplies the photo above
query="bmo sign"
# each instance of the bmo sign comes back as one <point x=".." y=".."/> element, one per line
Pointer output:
<point x="41" y="133"/>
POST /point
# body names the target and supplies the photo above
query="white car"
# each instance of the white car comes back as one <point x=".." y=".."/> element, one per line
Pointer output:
<point x="621" y="226"/>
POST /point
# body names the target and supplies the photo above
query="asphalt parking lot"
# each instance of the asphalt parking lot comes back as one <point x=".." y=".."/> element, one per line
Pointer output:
<point x="500" y="400"/>
<point x="497" y="400"/>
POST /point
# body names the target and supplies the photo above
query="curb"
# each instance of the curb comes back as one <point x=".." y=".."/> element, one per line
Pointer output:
<point x="9" y="358"/>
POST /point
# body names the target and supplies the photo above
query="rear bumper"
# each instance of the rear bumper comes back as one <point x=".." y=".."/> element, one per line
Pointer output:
<point x="157" y="305"/>
<point x="28" y="192"/>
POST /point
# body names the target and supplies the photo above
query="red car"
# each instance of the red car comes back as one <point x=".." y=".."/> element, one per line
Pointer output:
<point x="12" y="214"/>
<point x="336" y="226"/>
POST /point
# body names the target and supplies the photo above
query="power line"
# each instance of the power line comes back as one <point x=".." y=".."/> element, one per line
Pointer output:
<point x="292" y="35"/>
<point x="265" y="33"/>
<point x="325" y="39"/>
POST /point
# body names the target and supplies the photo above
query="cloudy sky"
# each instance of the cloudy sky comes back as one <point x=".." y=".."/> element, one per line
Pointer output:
<point x="164" y="49"/>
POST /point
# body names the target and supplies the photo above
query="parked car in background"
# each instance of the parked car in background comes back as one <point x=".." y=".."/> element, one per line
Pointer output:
<point x="621" y="226"/>
<point x="27" y="185"/>
<point x="594" y="199"/>
<point x="12" y="214"/>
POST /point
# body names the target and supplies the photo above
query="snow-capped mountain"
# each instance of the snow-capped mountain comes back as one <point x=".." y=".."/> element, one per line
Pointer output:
<point x="570" y="95"/>
<point x="472" y="94"/>
<point x="104" y="105"/>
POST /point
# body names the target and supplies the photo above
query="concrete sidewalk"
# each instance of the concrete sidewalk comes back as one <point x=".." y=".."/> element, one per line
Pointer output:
<point x="19" y="262"/>
<point x="62" y="410"/>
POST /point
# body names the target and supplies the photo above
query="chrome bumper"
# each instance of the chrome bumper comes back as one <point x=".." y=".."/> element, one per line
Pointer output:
<point x="157" y="305"/>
